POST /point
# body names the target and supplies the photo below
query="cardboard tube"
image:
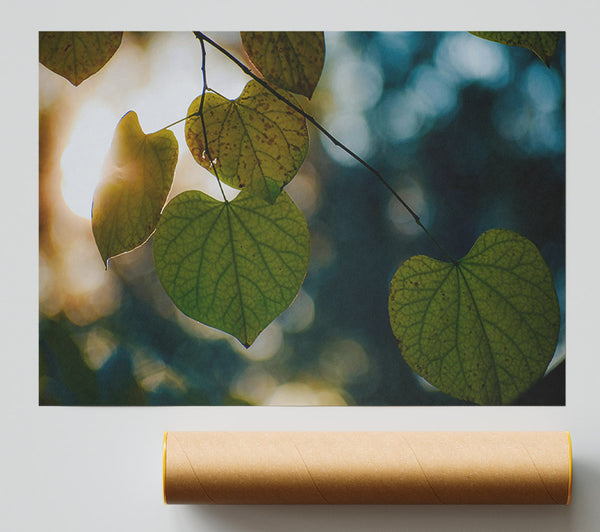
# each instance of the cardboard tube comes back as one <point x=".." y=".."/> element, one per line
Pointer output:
<point x="367" y="467"/>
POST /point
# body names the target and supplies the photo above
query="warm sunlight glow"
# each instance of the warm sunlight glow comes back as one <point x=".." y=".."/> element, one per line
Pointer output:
<point x="82" y="160"/>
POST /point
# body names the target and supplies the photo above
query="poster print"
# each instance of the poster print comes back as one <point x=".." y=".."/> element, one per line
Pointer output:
<point x="282" y="218"/>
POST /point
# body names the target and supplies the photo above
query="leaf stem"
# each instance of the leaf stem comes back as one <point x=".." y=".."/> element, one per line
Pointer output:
<point x="180" y="120"/>
<point x="202" y="38"/>
<point x="197" y="113"/>
<point x="200" y="112"/>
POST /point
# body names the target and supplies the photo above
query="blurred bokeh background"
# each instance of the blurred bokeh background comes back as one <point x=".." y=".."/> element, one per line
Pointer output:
<point x="470" y="133"/>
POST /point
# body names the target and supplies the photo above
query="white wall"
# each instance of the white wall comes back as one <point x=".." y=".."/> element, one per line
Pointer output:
<point x="99" y="469"/>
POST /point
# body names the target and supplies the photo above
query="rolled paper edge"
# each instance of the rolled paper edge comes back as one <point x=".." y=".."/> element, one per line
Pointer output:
<point x="563" y="501"/>
<point x="164" y="467"/>
<point x="570" y="468"/>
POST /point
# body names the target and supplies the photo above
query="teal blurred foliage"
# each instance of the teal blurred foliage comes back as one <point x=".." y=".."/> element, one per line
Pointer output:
<point x="477" y="143"/>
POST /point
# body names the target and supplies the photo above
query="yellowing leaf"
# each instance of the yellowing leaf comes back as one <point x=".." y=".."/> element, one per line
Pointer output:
<point x="483" y="329"/>
<point x="232" y="265"/>
<point x="256" y="141"/>
<point x="137" y="178"/>
<point x="291" y="60"/>
<point x="542" y="43"/>
<point x="76" y="55"/>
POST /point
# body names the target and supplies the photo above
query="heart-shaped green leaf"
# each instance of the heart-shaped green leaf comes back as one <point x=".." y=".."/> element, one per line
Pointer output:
<point x="256" y="141"/>
<point x="136" y="181"/>
<point x="76" y="55"/>
<point x="483" y="329"/>
<point x="542" y="43"/>
<point x="232" y="265"/>
<point x="291" y="60"/>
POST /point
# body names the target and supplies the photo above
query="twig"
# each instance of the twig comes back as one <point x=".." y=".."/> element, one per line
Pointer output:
<point x="200" y="112"/>
<point x="202" y="38"/>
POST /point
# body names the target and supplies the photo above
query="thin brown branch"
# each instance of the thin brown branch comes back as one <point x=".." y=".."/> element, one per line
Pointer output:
<point x="203" y="38"/>
<point x="201" y="113"/>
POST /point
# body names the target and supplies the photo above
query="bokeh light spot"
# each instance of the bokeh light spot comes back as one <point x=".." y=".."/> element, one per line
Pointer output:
<point x="343" y="361"/>
<point x="299" y="315"/>
<point x="358" y="84"/>
<point x="437" y="95"/>
<point x="254" y="385"/>
<point x="99" y="346"/>
<point x="401" y="116"/>
<point x="303" y="394"/>
<point x="402" y="220"/>
<point x="471" y="58"/>
<point x="266" y="345"/>
<point x="352" y="130"/>
<point x="84" y="156"/>
<point x="543" y="87"/>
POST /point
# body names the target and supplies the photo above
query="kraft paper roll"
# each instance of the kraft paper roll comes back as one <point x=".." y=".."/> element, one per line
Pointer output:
<point x="367" y="467"/>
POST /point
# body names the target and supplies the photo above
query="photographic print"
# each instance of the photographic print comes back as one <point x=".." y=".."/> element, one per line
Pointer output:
<point x="302" y="218"/>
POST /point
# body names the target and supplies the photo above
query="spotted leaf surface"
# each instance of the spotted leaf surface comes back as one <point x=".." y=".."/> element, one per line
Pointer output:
<point x="255" y="141"/>
<point x="291" y="60"/>
<point x="76" y="55"/>
<point x="483" y="329"/>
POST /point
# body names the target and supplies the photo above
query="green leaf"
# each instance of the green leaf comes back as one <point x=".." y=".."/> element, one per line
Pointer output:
<point x="256" y="141"/>
<point x="290" y="60"/>
<point x="483" y="329"/>
<point x="542" y="43"/>
<point x="76" y="55"/>
<point x="136" y="181"/>
<point x="232" y="265"/>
